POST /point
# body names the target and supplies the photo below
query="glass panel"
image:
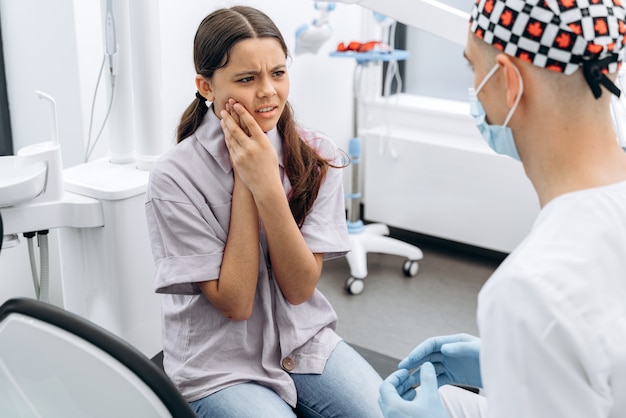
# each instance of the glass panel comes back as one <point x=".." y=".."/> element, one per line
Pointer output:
<point x="436" y="67"/>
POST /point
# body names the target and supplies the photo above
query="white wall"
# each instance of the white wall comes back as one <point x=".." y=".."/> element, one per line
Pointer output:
<point x="320" y="85"/>
<point x="40" y="54"/>
<point x="56" y="47"/>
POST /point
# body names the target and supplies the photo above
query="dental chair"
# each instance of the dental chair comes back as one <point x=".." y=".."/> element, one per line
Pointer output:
<point x="56" y="364"/>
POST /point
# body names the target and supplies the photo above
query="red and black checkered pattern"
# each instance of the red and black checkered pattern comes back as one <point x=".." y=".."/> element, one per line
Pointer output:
<point x="555" y="34"/>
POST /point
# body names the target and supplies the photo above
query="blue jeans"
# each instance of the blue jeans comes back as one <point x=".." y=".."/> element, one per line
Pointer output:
<point x="348" y="387"/>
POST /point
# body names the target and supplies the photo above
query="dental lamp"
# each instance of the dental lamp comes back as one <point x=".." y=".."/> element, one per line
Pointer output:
<point x="310" y="38"/>
<point x="429" y="15"/>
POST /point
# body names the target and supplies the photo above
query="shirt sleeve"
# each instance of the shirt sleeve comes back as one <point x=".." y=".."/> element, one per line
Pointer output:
<point x="535" y="360"/>
<point x="324" y="229"/>
<point x="187" y="238"/>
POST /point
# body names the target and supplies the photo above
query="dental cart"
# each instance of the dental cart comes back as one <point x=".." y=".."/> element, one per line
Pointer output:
<point x="371" y="237"/>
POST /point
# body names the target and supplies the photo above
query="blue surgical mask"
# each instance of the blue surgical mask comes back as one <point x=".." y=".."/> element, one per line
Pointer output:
<point x="499" y="137"/>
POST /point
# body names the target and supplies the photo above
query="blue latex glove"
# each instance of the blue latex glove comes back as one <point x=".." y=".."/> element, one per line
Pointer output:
<point x="456" y="359"/>
<point x="398" y="399"/>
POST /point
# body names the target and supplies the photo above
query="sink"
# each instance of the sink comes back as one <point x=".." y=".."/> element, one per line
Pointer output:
<point x="20" y="182"/>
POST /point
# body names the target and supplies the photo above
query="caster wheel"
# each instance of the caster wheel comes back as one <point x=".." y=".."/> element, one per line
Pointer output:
<point x="354" y="286"/>
<point x="410" y="268"/>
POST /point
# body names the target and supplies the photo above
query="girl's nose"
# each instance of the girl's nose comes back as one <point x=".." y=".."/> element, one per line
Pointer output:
<point x="266" y="88"/>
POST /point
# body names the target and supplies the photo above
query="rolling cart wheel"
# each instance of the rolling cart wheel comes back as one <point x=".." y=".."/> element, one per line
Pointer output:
<point x="354" y="286"/>
<point x="410" y="268"/>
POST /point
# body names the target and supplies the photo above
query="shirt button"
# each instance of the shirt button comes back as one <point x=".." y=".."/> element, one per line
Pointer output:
<point x="289" y="364"/>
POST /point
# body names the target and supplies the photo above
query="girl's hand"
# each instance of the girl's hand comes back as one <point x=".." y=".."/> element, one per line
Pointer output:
<point x="229" y="108"/>
<point x="233" y="113"/>
<point x="252" y="155"/>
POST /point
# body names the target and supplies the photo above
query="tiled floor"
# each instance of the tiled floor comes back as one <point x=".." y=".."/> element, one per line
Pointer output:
<point x="395" y="313"/>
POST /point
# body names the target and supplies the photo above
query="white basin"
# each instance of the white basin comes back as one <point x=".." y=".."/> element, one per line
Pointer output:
<point x="20" y="182"/>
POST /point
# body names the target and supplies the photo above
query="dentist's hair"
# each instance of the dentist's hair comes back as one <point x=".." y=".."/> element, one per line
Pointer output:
<point x="216" y="36"/>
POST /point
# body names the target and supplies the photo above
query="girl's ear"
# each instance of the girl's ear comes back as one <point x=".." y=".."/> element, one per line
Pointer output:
<point x="204" y="88"/>
<point x="512" y="78"/>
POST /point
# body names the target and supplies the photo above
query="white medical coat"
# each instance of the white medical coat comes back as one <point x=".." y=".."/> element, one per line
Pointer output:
<point x="552" y="318"/>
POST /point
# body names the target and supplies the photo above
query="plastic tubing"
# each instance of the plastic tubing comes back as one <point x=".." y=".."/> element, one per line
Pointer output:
<point x="44" y="259"/>
<point x="33" y="268"/>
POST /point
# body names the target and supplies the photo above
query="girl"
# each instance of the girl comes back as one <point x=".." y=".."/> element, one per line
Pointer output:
<point x="242" y="213"/>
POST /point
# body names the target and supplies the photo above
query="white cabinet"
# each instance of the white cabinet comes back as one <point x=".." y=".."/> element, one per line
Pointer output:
<point x="433" y="174"/>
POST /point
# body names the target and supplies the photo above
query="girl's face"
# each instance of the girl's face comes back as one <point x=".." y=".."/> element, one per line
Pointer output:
<point x="256" y="77"/>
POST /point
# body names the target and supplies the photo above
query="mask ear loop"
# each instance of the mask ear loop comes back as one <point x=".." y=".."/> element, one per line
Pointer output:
<point x="517" y="99"/>
<point x="487" y="77"/>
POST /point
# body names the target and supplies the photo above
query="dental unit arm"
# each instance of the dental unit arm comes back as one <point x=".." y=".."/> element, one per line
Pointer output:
<point x="32" y="200"/>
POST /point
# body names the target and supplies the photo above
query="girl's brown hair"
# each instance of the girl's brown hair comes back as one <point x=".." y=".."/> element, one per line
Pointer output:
<point x="215" y="38"/>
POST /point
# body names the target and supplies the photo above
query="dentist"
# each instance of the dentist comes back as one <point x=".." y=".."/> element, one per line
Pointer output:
<point x="552" y="318"/>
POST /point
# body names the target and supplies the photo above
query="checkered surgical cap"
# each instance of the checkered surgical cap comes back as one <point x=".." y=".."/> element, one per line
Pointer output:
<point x="560" y="35"/>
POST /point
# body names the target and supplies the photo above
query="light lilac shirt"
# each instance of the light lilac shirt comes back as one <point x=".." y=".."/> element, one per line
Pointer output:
<point x="188" y="212"/>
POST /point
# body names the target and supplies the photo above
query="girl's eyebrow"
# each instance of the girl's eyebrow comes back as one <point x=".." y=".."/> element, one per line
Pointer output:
<point x="246" y="73"/>
<point x="254" y="72"/>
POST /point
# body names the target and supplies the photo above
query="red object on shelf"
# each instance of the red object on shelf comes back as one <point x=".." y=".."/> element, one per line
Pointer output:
<point x="363" y="46"/>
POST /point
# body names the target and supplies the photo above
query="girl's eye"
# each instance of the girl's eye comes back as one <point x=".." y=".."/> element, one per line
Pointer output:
<point x="279" y="73"/>
<point x="246" y="80"/>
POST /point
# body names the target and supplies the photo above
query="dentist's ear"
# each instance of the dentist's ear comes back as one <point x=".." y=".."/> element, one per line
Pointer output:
<point x="512" y="77"/>
<point x="204" y="88"/>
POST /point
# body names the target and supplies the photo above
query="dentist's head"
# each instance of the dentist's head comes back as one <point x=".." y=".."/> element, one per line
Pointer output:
<point x="541" y="68"/>
<point x="560" y="35"/>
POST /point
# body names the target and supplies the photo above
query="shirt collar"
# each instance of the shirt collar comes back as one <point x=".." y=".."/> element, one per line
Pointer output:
<point x="211" y="136"/>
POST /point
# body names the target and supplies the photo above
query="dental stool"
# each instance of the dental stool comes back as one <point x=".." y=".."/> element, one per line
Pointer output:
<point x="54" y="363"/>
